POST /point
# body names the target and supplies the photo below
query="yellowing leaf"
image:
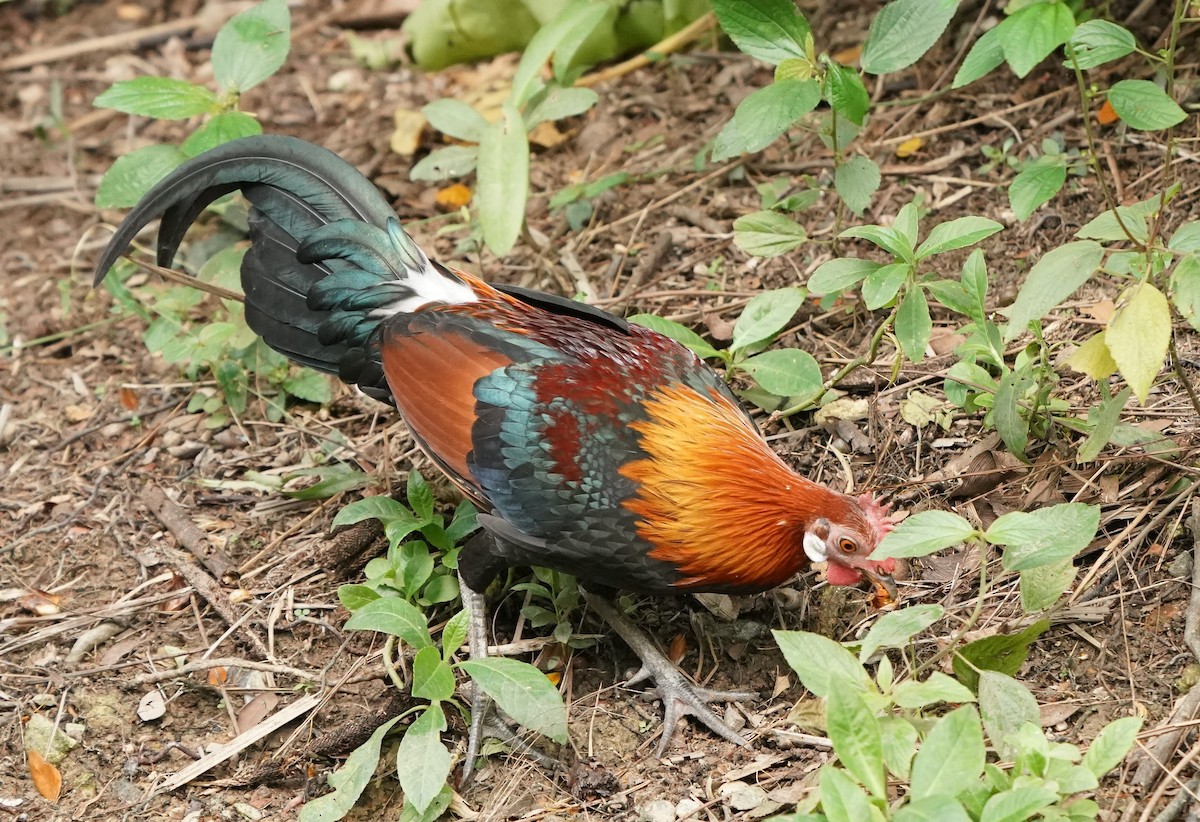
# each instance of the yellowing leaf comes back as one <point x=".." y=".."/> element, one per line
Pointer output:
<point x="453" y="197"/>
<point x="1092" y="358"/>
<point x="406" y="136"/>
<point x="1138" y="336"/>
<point x="546" y="135"/>
<point x="46" y="777"/>
<point x="909" y="147"/>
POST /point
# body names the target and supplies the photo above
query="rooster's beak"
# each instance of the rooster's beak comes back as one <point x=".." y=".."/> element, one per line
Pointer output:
<point x="885" y="586"/>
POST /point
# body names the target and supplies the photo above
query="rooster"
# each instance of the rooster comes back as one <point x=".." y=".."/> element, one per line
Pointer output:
<point x="589" y="445"/>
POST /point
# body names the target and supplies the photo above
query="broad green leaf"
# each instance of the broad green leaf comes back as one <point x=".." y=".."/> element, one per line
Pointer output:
<point x="1041" y="587"/>
<point x="923" y="534"/>
<point x="952" y="756"/>
<point x="1117" y="225"/>
<point x="894" y="239"/>
<point x="1035" y="184"/>
<point x="1003" y="652"/>
<point x="902" y="31"/>
<point x="854" y="732"/>
<point x="231" y="379"/>
<point x="1096" y="42"/>
<point x="433" y="812"/>
<point x="442" y="588"/>
<point x="561" y="103"/>
<point x="766" y="315"/>
<point x="845" y="92"/>
<point x="419" y="496"/>
<point x="914" y="326"/>
<point x="1104" y="420"/>
<point x="895" y="629"/>
<point x="395" y="616"/>
<point x="762" y="117"/>
<point x="349" y="780"/>
<point x="820" y="663"/>
<point x="1011" y="423"/>
<point x="1046" y="535"/>
<point x="502" y="181"/>
<point x="940" y="808"/>
<point x="1144" y="106"/>
<point x="356" y="596"/>
<point x="1185" y="289"/>
<point x="561" y="37"/>
<point x="899" y="739"/>
<point x="856" y="181"/>
<point x="785" y="372"/>
<point x="454" y="634"/>
<point x="1017" y="804"/>
<point x="220" y="129"/>
<point x="456" y="119"/>
<point x="1139" y="335"/>
<point x="767" y="234"/>
<point x="958" y="233"/>
<point x="1186" y="237"/>
<point x="310" y="386"/>
<point x="1054" y="278"/>
<point x="1092" y="358"/>
<point x="905" y="226"/>
<point x="679" y="333"/>
<point x="334" y="479"/>
<point x="432" y="678"/>
<point x="1031" y="34"/>
<point x="1111" y="745"/>
<point x="444" y="163"/>
<point x="1005" y="705"/>
<point x="133" y="174"/>
<point x="523" y="692"/>
<point x="162" y="98"/>
<point x="767" y="30"/>
<point x="881" y="285"/>
<point x="382" y="508"/>
<point x="252" y="46"/>
<point x="952" y="295"/>
<point x="839" y="274"/>
<point x="936" y="688"/>
<point x="986" y="55"/>
<point x="842" y="800"/>
<point x="422" y="761"/>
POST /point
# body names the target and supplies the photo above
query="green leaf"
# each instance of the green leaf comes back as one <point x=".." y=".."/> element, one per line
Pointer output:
<point x="839" y="274"/>
<point x="902" y="31"/>
<point x="1003" y="652"/>
<point x="310" y="386"/>
<point x="854" y="732"/>
<point x="767" y="234"/>
<point x="456" y="119"/>
<point x="445" y="163"/>
<point x="958" y="233"/>
<point x="1032" y="33"/>
<point x="349" y="780"/>
<point x="432" y="678"/>
<point x="133" y="174"/>
<point x="502" y="181"/>
<point x="160" y="97"/>
<point x="986" y="55"/>
<point x="845" y="92"/>
<point x="893" y="240"/>
<point x="356" y="596"/>
<point x="1113" y="225"/>
<point x="561" y="37"/>
<point x="924" y="533"/>
<point x="936" y="688"/>
<point x="560" y="103"/>
<point x="440" y="589"/>
<point x="1005" y="706"/>
<point x="767" y="30"/>
<point x="841" y="799"/>
<point x="252" y="46"/>
<point x="1144" y="106"/>
<point x="762" y="117"/>
<point x="1139" y="335"/>
<point x="422" y="761"/>
<point x="913" y="324"/>
<point x="820" y="663"/>
<point x="881" y="285"/>
<point x="679" y="333"/>
<point x="523" y="692"/>
<point x="392" y="615"/>
<point x="765" y="316"/>
<point x="1011" y="424"/>
<point x="939" y="808"/>
<point x="1046" y="535"/>
<point x="454" y="634"/>
<point x="1111" y="745"/>
<point x="1104" y="421"/>
<point x="1186" y="238"/>
<point x="419" y="496"/>
<point x="952" y="756"/>
<point x="899" y="745"/>
<point x="1054" y="278"/>
<point x="1092" y="358"/>
<point x="382" y="508"/>
<point x="1041" y="587"/>
<point x="856" y="181"/>
<point x="1035" y="184"/>
<point x="231" y="379"/>
<point x="1017" y="804"/>
<point x="785" y="372"/>
<point x="226" y="126"/>
<point x="1185" y="289"/>
<point x="334" y="479"/>
<point x="895" y="629"/>
<point x="1096" y="42"/>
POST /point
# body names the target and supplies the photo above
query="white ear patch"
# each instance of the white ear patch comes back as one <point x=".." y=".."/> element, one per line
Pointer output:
<point x="814" y="548"/>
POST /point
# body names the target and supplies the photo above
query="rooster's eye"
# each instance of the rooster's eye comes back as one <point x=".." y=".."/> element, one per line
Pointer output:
<point x="847" y="545"/>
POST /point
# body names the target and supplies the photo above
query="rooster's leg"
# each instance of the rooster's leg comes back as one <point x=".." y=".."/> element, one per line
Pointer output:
<point x="474" y="602"/>
<point x="680" y="697"/>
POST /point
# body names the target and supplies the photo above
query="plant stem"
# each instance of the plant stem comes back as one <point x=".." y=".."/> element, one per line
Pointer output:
<point x="952" y="645"/>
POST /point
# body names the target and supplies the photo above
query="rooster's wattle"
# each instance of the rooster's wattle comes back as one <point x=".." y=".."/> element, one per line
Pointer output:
<point x="589" y="445"/>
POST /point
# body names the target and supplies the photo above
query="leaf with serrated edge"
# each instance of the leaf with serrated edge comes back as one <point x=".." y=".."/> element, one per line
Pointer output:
<point x="349" y="780"/>
<point x="924" y="533"/>
<point x="1005" y="705"/>
<point x="952" y="756"/>
<point x="1111" y="745"/>
<point x="1044" y="536"/>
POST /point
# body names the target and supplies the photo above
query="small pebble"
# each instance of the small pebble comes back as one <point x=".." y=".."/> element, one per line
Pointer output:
<point x="687" y="807"/>
<point x="660" y="810"/>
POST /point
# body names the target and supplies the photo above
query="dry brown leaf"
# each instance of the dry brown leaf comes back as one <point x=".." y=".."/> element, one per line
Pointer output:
<point x="848" y="56"/>
<point x="151" y="706"/>
<point x="406" y="136"/>
<point x="1101" y="310"/>
<point x="77" y="413"/>
<point x="678" y="648"/>
<point x="129" y="398"/>
<point x="40" y="603"/>
<point x="453" y="197"/>
<point x="546" y="135"/>
<point x="217" y="676"/>
<point x="256" y="711"/>
<point x="46" y="777"/>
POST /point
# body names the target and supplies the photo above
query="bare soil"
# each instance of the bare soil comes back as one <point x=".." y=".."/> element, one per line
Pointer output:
<point x="100" y="601"/>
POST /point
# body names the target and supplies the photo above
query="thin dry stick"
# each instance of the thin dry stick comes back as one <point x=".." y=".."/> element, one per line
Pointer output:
<point x="693" y="31"/>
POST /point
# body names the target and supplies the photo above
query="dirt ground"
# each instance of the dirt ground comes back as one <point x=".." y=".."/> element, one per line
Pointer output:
<point x="98" y="609"/>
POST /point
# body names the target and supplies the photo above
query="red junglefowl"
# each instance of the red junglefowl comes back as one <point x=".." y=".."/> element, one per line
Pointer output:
<point x="589" y="445"/>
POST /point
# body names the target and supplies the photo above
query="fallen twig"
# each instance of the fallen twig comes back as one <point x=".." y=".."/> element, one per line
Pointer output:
<point x="190" y="536"/>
